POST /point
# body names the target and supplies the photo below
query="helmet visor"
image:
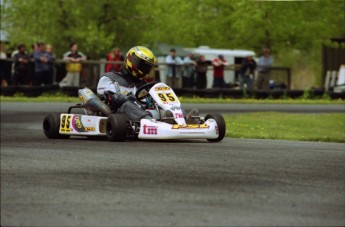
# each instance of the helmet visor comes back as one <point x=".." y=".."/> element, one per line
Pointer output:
<point x="141" y="65"/>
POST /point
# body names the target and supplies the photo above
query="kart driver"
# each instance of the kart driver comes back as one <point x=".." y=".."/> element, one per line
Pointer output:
<point x="138" y="63"/>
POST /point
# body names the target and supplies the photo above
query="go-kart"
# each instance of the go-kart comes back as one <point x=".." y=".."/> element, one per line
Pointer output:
<point x="101" y="118"/>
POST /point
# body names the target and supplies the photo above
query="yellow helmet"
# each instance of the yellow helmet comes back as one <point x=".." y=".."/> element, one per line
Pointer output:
<point x="139" y="61"/>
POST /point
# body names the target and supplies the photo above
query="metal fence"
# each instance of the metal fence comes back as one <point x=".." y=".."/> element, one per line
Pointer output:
<point x="92" y="69"/>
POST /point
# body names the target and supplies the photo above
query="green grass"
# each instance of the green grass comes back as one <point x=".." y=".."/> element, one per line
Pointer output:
<point x="65" y="98"/>
<point x="261" y="101"/>
<point x="287" y="126"/>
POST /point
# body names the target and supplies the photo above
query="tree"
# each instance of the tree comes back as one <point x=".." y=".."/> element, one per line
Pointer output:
<point x="96" y="27"/>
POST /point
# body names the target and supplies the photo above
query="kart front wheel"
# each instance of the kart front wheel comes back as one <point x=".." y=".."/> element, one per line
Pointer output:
<point x="117" y="127"/>
<point x="51" y="126"/>
<point x="220" y="124"/>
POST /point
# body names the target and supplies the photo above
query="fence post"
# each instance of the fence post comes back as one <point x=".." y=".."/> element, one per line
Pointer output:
<point x="289" y="78"/>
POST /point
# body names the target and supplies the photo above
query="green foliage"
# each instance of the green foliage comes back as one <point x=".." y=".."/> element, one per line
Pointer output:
<point x="97" y="26"/>
<point x="293" y="29"/>
<point x="307" y="94"/>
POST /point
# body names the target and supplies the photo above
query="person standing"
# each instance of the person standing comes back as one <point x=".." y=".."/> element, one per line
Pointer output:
<point x="34" y="48"/>
<point x="264" y="65"/>
<point x="173" y="71"/>
<point x="188" y="71"/>
<point x="247" y="73"/>
<point x="201" y="70"/>
<point x="43" y="61"/>
<point x="73" y="60"/>
<point x="50" y="76"/>
<point x="21" y="66"/>
<point x="5" y="71"/>
<point x="218" y="71"/>
<point x="116" y="56"/>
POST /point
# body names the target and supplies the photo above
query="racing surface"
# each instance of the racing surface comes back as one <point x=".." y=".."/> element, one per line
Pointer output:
<point x="81" y="182"/>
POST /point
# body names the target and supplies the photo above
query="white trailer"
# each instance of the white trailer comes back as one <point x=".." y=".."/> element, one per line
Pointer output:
<point x="232" y="56"/>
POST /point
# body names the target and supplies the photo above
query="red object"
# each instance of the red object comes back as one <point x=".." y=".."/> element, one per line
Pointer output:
<point x="149" y="80"/>
<point x="113" y="67"/>
<point x="218" y="71"/>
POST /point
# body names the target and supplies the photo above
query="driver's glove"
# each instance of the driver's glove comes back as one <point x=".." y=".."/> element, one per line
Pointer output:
<point x="119" y="99"/>
<point x="131" y="97"/>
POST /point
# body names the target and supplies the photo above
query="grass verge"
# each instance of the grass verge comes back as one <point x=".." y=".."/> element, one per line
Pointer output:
<point x="287" y="126"/>
<point x="64" y="98"/>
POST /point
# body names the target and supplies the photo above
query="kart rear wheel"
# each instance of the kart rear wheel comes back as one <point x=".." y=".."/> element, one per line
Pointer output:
<point x="51" y="126"/>
<point x="117" y="127"/>
<point x="220" y="124"/>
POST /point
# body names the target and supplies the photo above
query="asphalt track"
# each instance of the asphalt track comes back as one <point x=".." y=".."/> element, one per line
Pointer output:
<point x="242" y="182"/>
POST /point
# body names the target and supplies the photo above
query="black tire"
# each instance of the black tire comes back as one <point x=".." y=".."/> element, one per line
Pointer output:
<point x="51" y="126"/>
<point x="117" y="127"/>
<point x="220" y="124"/>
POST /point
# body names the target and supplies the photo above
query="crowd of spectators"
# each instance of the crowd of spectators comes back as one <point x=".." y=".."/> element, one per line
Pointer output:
<point x="34" y="68"/>
<point x="193" y="69"/>
<point x="37" y="68"/>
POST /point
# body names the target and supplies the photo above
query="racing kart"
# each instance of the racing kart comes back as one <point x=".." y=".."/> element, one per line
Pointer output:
<point x="101" y="118"/>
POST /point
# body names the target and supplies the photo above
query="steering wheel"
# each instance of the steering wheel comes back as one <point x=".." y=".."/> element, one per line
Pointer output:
<point x="146" y="87"/>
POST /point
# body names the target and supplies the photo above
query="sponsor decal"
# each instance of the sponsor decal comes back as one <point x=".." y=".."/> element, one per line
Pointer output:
<point x="202" y="126"/>
<point x="150" y="130"/>
<point x="82" y="99"/>
<point x="162" y="89"/>
<point x="77" y="124"/>
<point x="179" y="115"/>
<point x="89" y="129"/>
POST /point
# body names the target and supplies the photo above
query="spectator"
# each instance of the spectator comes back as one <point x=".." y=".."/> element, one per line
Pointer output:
<point x="264" y="64"/>
<point x="173" y="70"/>
<point x="14" y="52"/>
<point x="247" y="73"/>
<point x="4" y="73"/>
<point x="115" y="55"/>
<point x="73" y="66"/>
<point x="218" y="71"/>
<point x="201" y="70"/>
<point x="34" y="48"/>
<point x="43" y="62"/>
<point x="49" y="50"/>
<point x="2" y="51"/>
<point x="21" y="66"/>
<point x="188" y="72"/>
